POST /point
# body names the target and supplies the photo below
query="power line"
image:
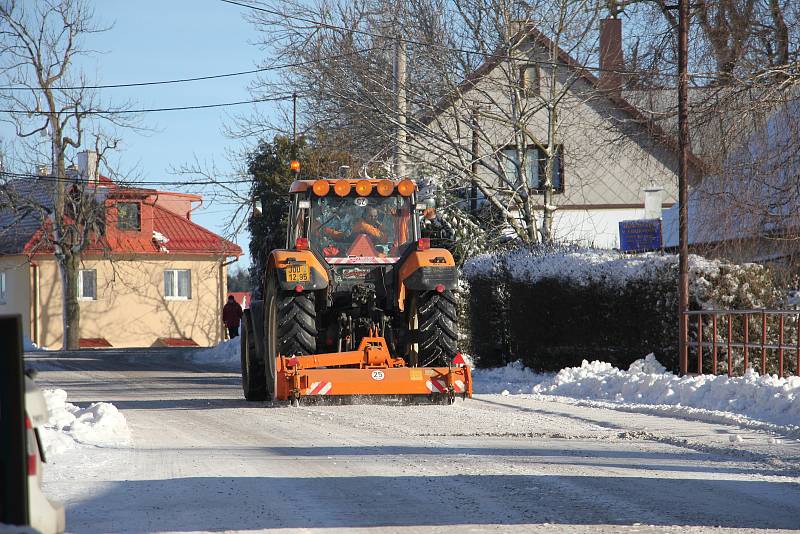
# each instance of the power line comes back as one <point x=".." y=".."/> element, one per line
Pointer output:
<point x="197" y="78"/>
<point x="149" y="110"/>
<point x="124" y="184"/>
<point x="326" y="25"/>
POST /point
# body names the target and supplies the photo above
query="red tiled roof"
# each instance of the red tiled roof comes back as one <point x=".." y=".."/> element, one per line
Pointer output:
<point x="94" y="343"/>
<point x="183" y="235"/>
<point x="177" y="342"/>
<point x="189" y="238"/>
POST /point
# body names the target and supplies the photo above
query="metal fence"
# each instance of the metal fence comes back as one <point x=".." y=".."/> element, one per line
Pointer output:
<point x="731" y="341"/>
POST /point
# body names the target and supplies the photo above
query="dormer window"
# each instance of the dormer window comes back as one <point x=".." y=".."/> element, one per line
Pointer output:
<point x="529" y="80"/>
<point x="129" y="216"/>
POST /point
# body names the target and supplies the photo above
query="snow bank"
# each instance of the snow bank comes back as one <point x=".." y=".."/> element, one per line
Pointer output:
<point x="513" y="378"/>
<point x="100" y="424"/>
<point x="30" y="346"/>
<point x="762" y="398"/>
<point x="225" y="354"/>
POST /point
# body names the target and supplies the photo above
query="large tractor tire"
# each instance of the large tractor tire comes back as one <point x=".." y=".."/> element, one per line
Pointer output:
<point x="253" y="380"/>
<point x="290" y="326"/>
<point x="436" y="323"/>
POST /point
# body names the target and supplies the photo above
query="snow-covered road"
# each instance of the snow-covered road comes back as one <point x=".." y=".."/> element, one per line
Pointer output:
<point x="203" y="459"/>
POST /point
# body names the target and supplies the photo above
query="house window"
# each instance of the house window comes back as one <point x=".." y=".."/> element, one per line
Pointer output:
<point x="87" y="284"/>
<point x="129" y="216"/>
<point x="530" y="79"/>
<point x="2" y="288"/>
<point x="535" y="163"/>
<point x="178" y="284"/>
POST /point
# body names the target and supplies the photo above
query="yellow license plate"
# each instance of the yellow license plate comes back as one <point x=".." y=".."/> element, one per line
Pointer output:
<point x="297" y="273"/>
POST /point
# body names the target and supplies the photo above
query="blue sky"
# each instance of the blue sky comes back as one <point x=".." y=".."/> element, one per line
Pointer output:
<point x="167" y="39"/>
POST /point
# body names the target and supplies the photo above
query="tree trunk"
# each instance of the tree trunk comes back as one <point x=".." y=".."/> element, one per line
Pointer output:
<point x="69" y="265"/>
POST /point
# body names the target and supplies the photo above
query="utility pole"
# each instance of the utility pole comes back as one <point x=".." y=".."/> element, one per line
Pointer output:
<point x="294" y="165"/>
<point x="401" y="107"/>
<point x="294" y="121"/>
<point x="683" y="184"/>
<point x="473" y="194"/>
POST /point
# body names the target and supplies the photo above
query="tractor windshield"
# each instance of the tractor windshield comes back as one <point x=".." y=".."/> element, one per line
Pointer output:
<point x="367" y="228"/>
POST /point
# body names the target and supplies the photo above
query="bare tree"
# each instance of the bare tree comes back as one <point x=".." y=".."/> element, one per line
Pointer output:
<point x="744" y="112"/>
<point x="486" y="85"/>
<point x="55" y="114"/>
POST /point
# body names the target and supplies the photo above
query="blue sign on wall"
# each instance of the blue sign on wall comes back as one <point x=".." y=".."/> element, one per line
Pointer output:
<point x="640" y="235"/>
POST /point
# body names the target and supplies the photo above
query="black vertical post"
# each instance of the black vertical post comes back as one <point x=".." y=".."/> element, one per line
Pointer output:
<point x="13" y="446"/>
<point x="683" y="183"/>
<point x="294" y="125"/>
<point x="473" y="196"/>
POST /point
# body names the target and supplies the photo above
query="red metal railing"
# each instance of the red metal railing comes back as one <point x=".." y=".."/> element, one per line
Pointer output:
<point x="733" y="340"/>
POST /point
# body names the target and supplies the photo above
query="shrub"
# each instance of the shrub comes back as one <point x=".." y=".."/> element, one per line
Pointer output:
<point x="552" y="308"/>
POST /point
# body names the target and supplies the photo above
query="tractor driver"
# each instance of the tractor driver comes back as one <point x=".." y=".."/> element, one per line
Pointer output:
<point x="369" y="224"/>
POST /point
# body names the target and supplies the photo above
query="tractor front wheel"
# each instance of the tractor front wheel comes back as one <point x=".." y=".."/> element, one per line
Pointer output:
<point x="290" y="328"/>
<point x="436" y="324"/>
<point x="253" y="383"/>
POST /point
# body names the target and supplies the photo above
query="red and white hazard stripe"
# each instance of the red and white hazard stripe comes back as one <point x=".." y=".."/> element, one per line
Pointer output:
<point x="439" y="385"/>
<point x="319" y="388"/>
<point x="357" y="260"/>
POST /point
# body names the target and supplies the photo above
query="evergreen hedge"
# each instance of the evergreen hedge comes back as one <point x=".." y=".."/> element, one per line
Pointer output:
<point x="553" y="308"/>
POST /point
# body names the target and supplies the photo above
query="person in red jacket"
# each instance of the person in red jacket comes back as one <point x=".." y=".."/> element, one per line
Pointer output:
<point x="231" y="315"/>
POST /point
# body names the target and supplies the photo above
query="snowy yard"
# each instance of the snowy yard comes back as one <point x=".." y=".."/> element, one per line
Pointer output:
<point x="586" y="449"/>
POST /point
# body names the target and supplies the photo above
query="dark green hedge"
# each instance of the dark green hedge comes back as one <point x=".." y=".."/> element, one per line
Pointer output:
<point x="556" y="322"/>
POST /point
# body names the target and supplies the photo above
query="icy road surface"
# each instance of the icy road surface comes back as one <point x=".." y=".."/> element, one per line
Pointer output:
<point x="203" y="459"/>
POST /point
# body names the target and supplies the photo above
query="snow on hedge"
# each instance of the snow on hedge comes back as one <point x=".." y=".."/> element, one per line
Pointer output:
<point x="100" y="424"/>
<point x="225" y="354"/>
<point x="646" y="383"/>
<point x="714" y="283"/>
<point x="580" y="266"/>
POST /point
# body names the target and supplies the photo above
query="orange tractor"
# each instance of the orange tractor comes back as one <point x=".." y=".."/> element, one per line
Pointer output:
<point x="356" y="305"/>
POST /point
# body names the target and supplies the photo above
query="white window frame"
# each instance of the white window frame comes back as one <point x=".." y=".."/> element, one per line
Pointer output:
<point x="2" y="287"/>
<point x="138" y="217"/>
<point x="175" y="286"/>
<point x="81" y="296"/>
<point x="530" y="77"/>
<point x="534" y="159"/>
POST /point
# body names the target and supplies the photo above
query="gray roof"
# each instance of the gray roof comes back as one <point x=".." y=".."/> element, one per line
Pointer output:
<point x="24" y="204"/>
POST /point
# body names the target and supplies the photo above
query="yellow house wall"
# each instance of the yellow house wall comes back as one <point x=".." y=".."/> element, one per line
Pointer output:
<point x="131" y="309"/>
<point x="18" y="290"/>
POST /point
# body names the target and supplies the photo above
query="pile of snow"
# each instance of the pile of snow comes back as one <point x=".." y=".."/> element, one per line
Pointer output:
<point x="762" y="398"/>
<point x="513" y="378"/>
<point x="161" y="241"/>
<point x="100" y="424"/>
<point x="30" y="346"/>
<point x="226" y="354"/>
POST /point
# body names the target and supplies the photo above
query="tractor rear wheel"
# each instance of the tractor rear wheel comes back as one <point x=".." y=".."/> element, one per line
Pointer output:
<point x="437" y="327"/>
<point x="253" y="382"/>
<point x="290" y="328"/>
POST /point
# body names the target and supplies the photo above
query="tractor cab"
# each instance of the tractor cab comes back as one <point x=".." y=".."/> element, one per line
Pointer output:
<point x="354" y="222"/>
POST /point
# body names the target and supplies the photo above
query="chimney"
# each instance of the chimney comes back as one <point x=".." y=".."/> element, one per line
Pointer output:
<point x="653" y="202"/>
<point x="611" y="61"/>
<point x="87" y="165"/>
